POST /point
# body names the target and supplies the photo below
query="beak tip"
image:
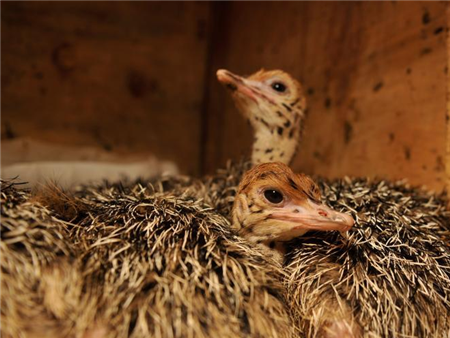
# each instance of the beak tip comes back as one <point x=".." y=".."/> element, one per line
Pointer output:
<point x="350" y="222"/>
<point x="221" y="74"/>
<point x="346" y="220"/>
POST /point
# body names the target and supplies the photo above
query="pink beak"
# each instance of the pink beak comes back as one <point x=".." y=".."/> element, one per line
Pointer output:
<point x="313" y="217"/>
<point x="242" y="85"/>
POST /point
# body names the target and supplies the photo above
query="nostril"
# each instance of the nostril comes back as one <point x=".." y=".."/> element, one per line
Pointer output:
<point x="323" y="213"/>
<point x="231" y="86"/>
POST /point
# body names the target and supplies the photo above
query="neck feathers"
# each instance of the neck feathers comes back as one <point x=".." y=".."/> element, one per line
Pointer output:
<point x="274" y="148"/>
<point x="278" y="143"/>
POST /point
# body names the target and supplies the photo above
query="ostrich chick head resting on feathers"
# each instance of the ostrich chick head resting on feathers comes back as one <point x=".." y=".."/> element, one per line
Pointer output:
<point x="274" y="205"/>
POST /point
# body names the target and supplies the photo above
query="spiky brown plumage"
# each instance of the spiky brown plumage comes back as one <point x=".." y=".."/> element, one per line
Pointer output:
<point x="31" y="241"/>
<point x="390" y="277"/>
<point x="397" y="256"/>
<point x="398" y="230"/>
<point x="153" y="265"/>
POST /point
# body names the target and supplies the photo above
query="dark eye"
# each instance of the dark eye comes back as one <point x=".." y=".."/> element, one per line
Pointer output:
<point x="279" y="87"/>
<point x="273" y="196"/>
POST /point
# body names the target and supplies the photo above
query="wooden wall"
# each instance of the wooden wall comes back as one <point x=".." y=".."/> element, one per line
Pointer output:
<point x="376" y="78"/>
<point x="126" y="76"/>
<point x="140" y="76"/>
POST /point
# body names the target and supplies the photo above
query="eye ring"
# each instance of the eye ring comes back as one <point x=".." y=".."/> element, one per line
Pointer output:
<point x="273" y="196"/>
<point x="279" y="86"/>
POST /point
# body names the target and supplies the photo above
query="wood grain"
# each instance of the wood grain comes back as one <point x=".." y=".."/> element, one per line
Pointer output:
<point x="128" y="76"/>
<point x="379" y="100"/>
<point x="140" y="77"/>
<point x="376" y="77"/>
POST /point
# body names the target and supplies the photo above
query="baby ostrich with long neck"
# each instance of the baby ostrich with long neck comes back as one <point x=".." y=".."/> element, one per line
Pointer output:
<point x="274" y="104"/>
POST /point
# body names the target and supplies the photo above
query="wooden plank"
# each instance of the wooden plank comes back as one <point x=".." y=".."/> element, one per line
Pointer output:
<point x="376" y="77"/>
<point x="379" y="100"/>
<point x="128" y="76"/>
<point x="447" y="117"/>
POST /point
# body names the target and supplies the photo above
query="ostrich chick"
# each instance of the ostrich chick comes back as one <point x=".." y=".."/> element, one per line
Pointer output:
<point x="274" y="205"/>
<point x="274" y="104"/>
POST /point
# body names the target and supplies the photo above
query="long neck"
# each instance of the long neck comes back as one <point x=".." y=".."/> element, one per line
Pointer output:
<point x="270" y="146"/>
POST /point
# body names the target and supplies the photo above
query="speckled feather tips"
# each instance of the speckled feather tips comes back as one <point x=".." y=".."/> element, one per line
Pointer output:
<point x="390" y="277"/>
<point x="159" y="260"/>
<point x="134" y="264"/>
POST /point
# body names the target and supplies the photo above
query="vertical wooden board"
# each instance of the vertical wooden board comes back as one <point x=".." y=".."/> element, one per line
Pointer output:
<point x="128" y="76"/>
<point x="447" y="161"/>
<point x="375" y="77"/>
